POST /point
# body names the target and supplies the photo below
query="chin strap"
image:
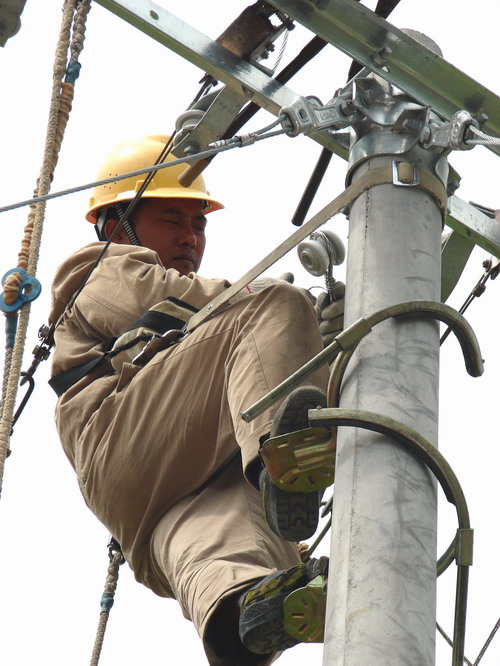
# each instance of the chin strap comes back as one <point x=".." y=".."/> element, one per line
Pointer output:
<point x="127" y="226"/>
<point x="120" y="210"/>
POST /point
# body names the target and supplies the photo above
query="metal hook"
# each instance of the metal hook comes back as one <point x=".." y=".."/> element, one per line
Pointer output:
<point x="26" y="378"/>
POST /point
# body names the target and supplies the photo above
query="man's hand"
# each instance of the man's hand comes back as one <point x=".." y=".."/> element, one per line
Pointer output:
<point x="128" y="345"/>
<point x="330" y="314"/>
<point x="170" y="314"/>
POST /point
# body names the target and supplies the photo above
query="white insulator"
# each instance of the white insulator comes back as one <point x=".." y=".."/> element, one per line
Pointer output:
<point x="314" y="257"/>
<point x="337" y="247"/>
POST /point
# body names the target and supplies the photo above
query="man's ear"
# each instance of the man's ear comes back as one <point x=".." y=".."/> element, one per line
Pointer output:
<point x="121" y="236"/>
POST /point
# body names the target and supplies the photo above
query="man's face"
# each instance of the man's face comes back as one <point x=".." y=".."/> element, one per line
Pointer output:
<point x="174" y="229"/>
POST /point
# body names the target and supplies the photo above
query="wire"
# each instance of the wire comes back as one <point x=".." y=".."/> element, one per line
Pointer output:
<point x="281" y="52"/>
<point x="151" y="169"/>
<point x="484" y="139"/>
<point x="475" y="293"/>
<point x="487" y="643"/>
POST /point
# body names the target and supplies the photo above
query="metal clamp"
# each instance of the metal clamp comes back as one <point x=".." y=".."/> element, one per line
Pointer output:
<point x="451" y="135"/>
<point x="304" y="611"/>
<point x="308" y="115"/>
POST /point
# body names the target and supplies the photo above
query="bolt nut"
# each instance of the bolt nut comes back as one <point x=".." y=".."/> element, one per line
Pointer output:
<point x="191" y="149"/>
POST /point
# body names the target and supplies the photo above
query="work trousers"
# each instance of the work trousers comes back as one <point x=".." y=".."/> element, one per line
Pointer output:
<point x="167" y="462"/>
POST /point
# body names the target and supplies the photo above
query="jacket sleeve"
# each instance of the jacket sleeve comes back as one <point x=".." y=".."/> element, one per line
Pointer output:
<point x="125" y="286"/>
<point x="127" y="282"/>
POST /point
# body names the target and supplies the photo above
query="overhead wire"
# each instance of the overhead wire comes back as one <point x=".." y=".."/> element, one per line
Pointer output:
<point x="237" y="143"/>
<point x="490" y="272"/>
<point x="483" y="138"/>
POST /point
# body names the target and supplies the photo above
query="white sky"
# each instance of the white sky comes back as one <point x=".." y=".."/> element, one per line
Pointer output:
<point x="53" y="556"/>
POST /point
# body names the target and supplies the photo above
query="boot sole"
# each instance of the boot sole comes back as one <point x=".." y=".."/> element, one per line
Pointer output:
<point x="264" y="630"/>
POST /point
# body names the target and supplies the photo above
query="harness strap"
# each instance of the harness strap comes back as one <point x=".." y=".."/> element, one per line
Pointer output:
<point x="61" y="382"/>
<point x="159" y="322"/>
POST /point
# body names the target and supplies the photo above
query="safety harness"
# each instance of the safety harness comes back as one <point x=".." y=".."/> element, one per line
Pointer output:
<point x="158" y="322"/>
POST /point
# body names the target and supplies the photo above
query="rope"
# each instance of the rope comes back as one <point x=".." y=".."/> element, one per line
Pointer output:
<point x="60" y="106"/>
<point x="107" y="601"/>
<point x="7" y="366"/>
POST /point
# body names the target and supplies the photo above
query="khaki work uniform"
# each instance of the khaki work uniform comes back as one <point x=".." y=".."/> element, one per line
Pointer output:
<point x="161" y="452"/>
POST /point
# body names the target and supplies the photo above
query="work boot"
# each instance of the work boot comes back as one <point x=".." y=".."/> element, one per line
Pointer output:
<point x="292" y="516"/>
<point x="262" y="618"/>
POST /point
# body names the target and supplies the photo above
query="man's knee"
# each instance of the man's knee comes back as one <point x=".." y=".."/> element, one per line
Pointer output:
<point x="281" y="297"/>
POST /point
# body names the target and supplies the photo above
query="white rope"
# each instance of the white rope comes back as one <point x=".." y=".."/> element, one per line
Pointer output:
<point x="107" y="601"/>
<point x="60" y="106"/>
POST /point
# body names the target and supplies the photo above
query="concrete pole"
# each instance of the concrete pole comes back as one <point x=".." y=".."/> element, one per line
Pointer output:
<point x="381" y="595"/>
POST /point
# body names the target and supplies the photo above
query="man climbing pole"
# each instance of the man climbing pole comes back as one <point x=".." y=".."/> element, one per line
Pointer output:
<point x="161" y="454"/>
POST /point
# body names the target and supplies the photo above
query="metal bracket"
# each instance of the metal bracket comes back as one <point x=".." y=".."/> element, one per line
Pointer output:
<point x="401" y="175"/>
<point x="304" y="612"/>
<point x="450" y="135"/>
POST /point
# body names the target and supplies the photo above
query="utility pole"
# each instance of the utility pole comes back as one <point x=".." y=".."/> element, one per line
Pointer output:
<point x="382" y="581"/>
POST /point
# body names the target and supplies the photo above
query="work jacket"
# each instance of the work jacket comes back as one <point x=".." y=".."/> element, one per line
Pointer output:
<point x="127" y="281"/>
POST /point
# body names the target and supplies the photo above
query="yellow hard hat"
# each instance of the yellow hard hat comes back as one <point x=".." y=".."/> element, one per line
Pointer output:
<point x="135" y="154"/>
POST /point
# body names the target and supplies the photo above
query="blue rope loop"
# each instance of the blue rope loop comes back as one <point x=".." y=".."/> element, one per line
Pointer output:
<point x="107" y="601"/>
<point x="29" y="290"/>
<point x="72" y="71"/>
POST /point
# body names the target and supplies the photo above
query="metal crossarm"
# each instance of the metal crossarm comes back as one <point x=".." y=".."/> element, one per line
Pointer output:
<point x="468" y="221"/>
<point x="395" y="56"/>
<point x="246" y="79"/>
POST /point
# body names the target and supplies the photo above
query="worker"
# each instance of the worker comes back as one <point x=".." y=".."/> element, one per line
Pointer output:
<point x="161" y="454"/>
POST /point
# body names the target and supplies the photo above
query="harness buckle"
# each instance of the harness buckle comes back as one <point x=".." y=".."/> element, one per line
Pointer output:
<point x="156" y="344"/>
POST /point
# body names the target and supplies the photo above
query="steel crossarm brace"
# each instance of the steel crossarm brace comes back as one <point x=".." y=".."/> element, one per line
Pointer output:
<point x="468" y="221"/>
<point x="249" y="81"/>
<point x="374" y="42"/>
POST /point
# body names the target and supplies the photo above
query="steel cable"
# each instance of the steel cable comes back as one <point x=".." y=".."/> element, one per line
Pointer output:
<point x="483" y="138"/>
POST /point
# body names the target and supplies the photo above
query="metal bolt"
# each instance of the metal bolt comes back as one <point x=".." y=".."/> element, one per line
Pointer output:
<point x="191" y="148"/>
<point x="154" y="15"/>
<point x="348" y="107"/>
<point x="380" y="58"/>
<point x="247" y="92"/>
